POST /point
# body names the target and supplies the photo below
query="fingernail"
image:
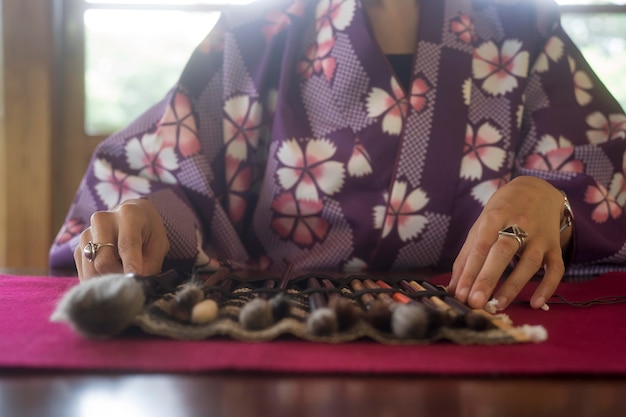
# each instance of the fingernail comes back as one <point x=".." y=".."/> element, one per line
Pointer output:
<point x="503" y="302"/>
<point x="462" y="294"/>
<point x="539" y="302"/>
<point x="477" y="299"/>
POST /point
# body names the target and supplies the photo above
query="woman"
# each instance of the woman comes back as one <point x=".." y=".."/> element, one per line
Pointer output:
<point x="368" y="135"/>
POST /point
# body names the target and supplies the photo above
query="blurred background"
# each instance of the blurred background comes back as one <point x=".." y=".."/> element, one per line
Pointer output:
<point x="75" y="71"/>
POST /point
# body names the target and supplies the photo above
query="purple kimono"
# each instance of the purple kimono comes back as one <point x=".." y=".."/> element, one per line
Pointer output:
<point x="289" y="137"/>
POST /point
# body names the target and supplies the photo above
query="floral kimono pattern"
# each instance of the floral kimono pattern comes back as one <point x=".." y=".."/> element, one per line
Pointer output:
<point x="289" y="138"/>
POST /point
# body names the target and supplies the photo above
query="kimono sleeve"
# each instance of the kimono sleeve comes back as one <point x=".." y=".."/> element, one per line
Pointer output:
<point x="158" y="157"/>
<point x="575" y="138"/>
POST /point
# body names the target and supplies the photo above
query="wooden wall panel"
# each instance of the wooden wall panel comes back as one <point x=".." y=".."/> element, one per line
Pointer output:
<point x="26" y="139"/>
<point x="3" y="159"/>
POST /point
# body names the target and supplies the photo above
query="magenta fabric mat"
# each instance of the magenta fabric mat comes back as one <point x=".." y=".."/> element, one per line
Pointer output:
<point x="589" y="340"/>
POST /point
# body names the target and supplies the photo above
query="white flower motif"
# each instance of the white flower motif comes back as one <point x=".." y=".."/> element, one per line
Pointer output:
<point x="467" y="91"/>
<point x="483" y="191"/>
<point x="553" y="154"/>
<point x="317" y="60"/>
<point x="605" y="205"/>
<point x="401" y="212"/>
<point x="360" y="163"/>
<point x="553" y="51"/>
<point x="548" y="143"/>
<point x="500" y="68"/>
<point x="300" y="221"/>
<point x="605" y="129"/>
<point x="617" y="188"/>
<point x="582" y="83"/>
<point x="152" y="158"/>
<point x="519" y="115"/>
<point x="481" y="149"/>
<point x="310" y="171"/>
<point x="116" y="186"/>
<point x="178" y="127"/>
<point x="394" y="107"/>
<point x="242" y="120"/>
<point x="337" y="14"/>
<point x="355" y="265"/>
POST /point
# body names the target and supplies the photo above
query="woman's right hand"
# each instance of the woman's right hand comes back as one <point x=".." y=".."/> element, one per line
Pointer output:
<point x="136" y="229"/>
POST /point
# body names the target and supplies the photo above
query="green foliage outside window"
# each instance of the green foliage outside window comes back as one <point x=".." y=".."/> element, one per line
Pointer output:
<point x="134" y="57"/>
<point x="602" y="40"/>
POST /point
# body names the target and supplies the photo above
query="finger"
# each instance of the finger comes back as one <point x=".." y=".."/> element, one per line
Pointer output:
<point x="500" y="255"/>
<point x="133" y="229"/>
<point x="554" y="270"/>
<point x="78" y="260"/>
<point x="85" y="269"/>
<point x="155" y="241"/>
<point x="531" y="261"/>
<point x="154" y="253"/>
<point x="476" y="256"/>
<point x="103" y="230"/>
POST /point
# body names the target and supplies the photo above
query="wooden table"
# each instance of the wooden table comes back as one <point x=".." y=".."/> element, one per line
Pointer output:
<point x="69" y="394"/>
<point x="239" y="395"/>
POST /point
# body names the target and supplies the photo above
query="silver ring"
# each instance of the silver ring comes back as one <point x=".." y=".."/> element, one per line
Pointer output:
<point x="515" y="232"/>
<point x="91" y="249"/>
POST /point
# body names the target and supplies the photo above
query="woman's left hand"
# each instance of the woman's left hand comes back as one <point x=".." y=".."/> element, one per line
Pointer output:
<point x="535" y="206"/>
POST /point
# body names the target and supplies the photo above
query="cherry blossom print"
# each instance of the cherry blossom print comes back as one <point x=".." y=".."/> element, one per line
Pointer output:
<point x="519" y="114"/>
<point x="463" y="27"/>
<point x="481" y="149"/>
<point x="483" y="191"/>
<point x="500" y="68"/>
<point x="552" y="51"/>
<point x="317" y="61"/>
<point x="333" y="15"/>
<point x="606" y="206"/>
<point x="299" y="220"/>
<point x="151" y="158"/>
<point x="278" y="20"/>
<point x="617" y="188"/>
<point x="178" y="127"/>
<point x="238" y="180"/>
<point x="242" y="120"/>
<point x="402" y="212"/>
<point x="393" y="106"/>
<point x="605" y="129"/>
<point x="360" y="162"/>
<point x="310" y="171"/>
<point x="554" y="155"/>
<point x="116" y="186"/>
<point x="582" y="83"/>
<point x="355" y="265"/>
<point x="203" y="261"/>
<point x="419" y="88"/>
<point x="466" y="90"/>
<point x="72" y="227"/>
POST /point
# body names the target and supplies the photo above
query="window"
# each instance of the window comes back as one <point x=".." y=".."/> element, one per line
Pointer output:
<point x="135" y="50"/>
<point x="599" y="30"/>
